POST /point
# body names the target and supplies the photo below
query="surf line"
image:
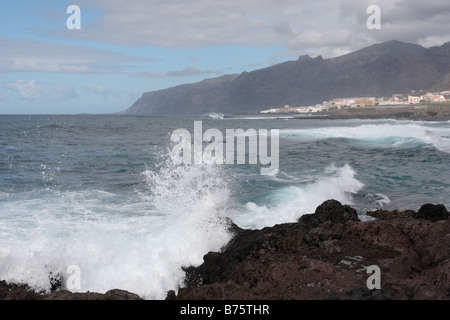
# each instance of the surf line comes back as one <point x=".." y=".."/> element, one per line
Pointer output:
<point x="233" y="151"/>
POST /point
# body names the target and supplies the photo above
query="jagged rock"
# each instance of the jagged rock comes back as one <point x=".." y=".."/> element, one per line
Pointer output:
<point x="171" y="295"/>
<point x="366" y="294"/>
<point x="433" y="212"/>
<point x="115" y="294"/>
<point x="14" y="291"/>
<point x="334" y="211"/>
<point x="391" y="214"/>
<point x="428" y="212"/>
<point x="325" y="256"/>
<point x="330" y="210"/>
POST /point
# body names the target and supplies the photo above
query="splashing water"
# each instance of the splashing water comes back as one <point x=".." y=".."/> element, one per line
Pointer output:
<point x="138" y="245"/>
<point x="291" y="202"/>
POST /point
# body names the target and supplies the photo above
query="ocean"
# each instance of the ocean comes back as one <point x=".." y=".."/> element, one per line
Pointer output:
<point x="104" y="194"/>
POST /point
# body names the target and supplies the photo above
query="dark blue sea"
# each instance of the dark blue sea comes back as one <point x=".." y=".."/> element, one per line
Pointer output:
<point x="102" y="192"/>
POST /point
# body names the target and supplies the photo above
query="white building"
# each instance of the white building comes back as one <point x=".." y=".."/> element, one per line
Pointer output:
<point x="430" y="97"/>
<point x="413" y="99"/>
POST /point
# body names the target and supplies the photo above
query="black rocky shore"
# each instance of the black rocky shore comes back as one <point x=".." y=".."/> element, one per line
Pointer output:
<point x="323" y="256"/>
<point x="409" y="112"/>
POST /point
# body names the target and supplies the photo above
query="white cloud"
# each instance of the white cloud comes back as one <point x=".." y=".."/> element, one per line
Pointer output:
<point x="188" y="71"/>
<point x="109" y="92"/>
<point x="415" y="21"/>
<point x="432" y="41"/>
<point x="313" y="38"/>
<point x="40" y="56"/>
<point x="32" y="91"/>
<point x="300" y="26"/>
<point x="188" y="24"/>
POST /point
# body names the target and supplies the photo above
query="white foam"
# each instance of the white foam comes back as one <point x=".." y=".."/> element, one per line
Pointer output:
<point x="213" y="115"/>
<point x="404" y="131"/>
<point x="262" y="118"/>
<point x="139" y="244"/>
<point x="290" y="203"/>
<point x="382" y="199"/>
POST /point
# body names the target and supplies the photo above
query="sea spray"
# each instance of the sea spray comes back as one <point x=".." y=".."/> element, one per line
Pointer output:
<point x="289" y="203"/>
<point x="195" y="200"/>
<point x="139" y="248"/>
<point x="392" y="135"/>
<point x="188" y="150"/>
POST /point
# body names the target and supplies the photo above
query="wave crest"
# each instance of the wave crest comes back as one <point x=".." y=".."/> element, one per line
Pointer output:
<point x="290" y="203"/>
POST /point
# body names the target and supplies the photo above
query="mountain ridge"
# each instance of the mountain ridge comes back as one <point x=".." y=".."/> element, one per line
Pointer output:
<point x="381" y="69"/>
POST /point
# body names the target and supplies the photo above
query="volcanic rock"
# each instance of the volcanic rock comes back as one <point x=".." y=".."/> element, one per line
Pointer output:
<point x="14" y="291"/>
<point x="330" y="210"/>
<point x="433" y="212"/>
<point x="325" y="256"/>
<point x="391" y="214"/>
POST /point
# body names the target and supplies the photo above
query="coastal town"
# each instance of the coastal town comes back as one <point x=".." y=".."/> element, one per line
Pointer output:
<point x="413" y="98"/>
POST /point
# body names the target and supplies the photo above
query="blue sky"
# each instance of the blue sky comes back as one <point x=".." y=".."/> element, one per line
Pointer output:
<point x="126" y="48"/>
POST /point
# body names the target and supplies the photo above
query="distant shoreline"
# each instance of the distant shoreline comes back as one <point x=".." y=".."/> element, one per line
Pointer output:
<point x="416" y="113"/>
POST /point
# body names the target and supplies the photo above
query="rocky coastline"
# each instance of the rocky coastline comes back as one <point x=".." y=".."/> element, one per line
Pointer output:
<point x="410" y="112"/>
<point x="323" y="256"/>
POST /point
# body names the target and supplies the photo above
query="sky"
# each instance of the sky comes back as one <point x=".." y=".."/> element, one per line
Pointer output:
<point x="125" y="48"/>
